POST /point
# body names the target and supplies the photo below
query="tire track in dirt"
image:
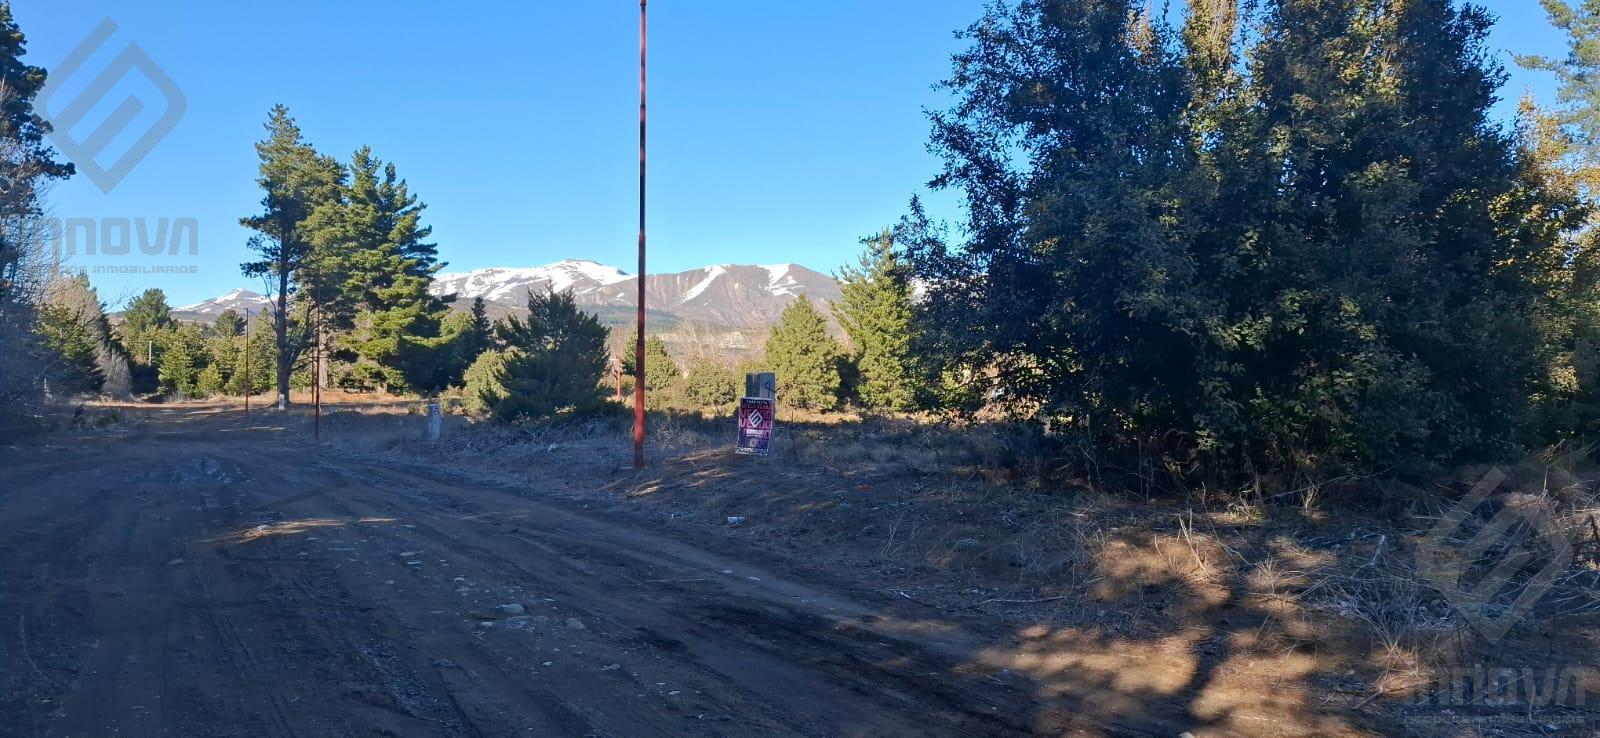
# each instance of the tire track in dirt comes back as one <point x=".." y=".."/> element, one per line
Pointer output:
<point x="768" y="628"/>
<point x="201" y="577"/>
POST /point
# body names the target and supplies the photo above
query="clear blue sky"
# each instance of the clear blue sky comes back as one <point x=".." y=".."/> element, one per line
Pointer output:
<point x="780" y="131"/>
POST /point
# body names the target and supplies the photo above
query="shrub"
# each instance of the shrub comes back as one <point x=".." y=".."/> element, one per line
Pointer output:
<point x="710" y="385"/>
<point x="559" y="359"/>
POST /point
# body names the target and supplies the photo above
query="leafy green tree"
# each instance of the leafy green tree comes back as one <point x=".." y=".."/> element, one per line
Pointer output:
<point x="875" y="310"/>
<point x="558" y="356"/>
<point x="295" y="180"/>
<point x="661" y="372"/>
<point x="805" y="357"/>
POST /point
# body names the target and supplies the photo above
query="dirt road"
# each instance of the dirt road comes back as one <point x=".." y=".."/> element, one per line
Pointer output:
<point x="207" y="574"/>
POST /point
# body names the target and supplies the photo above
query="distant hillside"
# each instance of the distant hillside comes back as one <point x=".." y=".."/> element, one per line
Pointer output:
<point x="725" y="295"/>
<point x="723" y="309"/>
<point x="244" y="302"/>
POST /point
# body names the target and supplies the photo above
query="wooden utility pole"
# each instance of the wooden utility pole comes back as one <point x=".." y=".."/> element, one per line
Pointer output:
<point x="638" y="354"/>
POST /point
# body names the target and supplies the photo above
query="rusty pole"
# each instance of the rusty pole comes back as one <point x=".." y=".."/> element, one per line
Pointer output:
<point x="316" y="375"/>
<point x="638" y="354"/>
<point x="247" y="382"/>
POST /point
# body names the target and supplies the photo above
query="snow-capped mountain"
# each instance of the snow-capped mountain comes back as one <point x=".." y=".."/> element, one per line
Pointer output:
<point x="729" y="295"/>
<point x="498" y="285"/>
<point x="243" y="302"/>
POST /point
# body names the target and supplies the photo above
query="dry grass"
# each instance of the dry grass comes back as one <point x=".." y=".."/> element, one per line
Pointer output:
<point x="1317" y="591"/>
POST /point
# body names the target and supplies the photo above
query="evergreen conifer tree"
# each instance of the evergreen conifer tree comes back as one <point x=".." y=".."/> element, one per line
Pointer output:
<point x="875" y="310"/>
<point x="805" y="357"/>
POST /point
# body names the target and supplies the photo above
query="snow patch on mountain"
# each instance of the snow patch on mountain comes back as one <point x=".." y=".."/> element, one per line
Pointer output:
<point x="241" y="301"/>
<point x="502" y="284"/>
<point x="712" y="273"/>
<point x="780" y="281"/>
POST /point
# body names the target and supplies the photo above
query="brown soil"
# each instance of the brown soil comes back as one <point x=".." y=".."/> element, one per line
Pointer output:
<point x="195" y="571"/>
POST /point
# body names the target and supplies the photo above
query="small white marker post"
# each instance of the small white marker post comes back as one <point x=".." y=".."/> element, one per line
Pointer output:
<point x="435" y="421"/>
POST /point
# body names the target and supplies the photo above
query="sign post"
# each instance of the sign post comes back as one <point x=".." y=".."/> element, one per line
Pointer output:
<point x="761" y="384"/>
<point x="435" y="420"/>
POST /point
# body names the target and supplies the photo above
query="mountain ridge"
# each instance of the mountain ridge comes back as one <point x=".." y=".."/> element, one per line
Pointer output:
<point x="733" y="296"/>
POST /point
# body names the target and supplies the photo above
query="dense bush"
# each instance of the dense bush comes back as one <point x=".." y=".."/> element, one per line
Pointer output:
<point x="710" y="385"/>
<point x="557" y="358"/>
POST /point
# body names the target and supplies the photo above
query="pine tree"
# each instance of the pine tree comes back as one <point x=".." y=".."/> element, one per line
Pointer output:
<point x="210" y="381"/>
<point x="182" y="360"/>
<point x="74" y="327"/>
<point x="805" y="357"/>
<point x="255" y="360"/>
<point x="144" y="317"/>
<point x="372" y="252"/>
<point x="29" y="166"/>
<point x="463" y="337"/>
<point x="484" y="382"/>
<point x="72" y="346"/>
<point x="477" y="336"/>
<point x="228" y="324"/>
<point x="296" y="180"/>
<point x="222" y="356"/>
<point x="661" y="372"/>
<point x="876" y="312"/>
<point x="557" y="357"/>
<point x="1578" y="75"/>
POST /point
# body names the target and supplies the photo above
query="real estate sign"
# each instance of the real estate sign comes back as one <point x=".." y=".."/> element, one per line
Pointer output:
<point x="756" y="419"/>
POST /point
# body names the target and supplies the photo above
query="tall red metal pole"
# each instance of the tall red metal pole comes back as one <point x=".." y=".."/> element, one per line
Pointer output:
<point x="247" y="364"/>
<point x="638" y="353"/>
